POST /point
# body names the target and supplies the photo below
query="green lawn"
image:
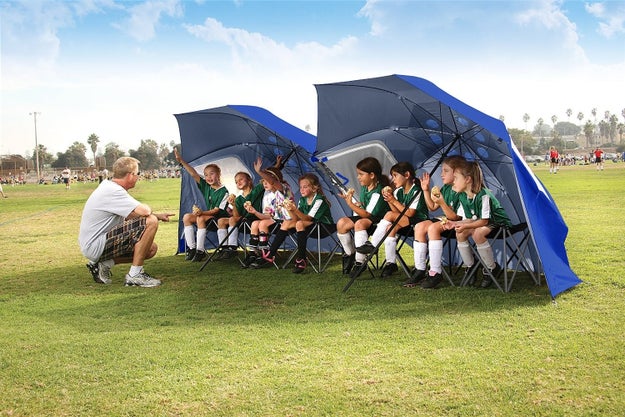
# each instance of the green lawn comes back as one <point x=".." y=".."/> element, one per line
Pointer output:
<point x="233" y="342"/>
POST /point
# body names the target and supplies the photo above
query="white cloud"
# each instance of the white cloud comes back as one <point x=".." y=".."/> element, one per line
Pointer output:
<point x="145" y="16"/>
<point x="375" y="16"/>
<point x="613" y="19"/>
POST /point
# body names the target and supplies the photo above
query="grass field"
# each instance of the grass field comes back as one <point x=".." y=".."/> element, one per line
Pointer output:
<point x="234" y="342"/>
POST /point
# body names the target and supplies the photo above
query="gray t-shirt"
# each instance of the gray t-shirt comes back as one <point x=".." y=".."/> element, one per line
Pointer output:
<point x="106" y="207"/>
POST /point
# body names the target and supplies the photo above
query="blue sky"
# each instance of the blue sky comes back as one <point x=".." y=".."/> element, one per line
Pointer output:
<point x="121" y="69"/>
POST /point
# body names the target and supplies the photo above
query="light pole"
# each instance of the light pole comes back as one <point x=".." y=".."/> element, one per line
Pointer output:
<point x="34" y="114"/>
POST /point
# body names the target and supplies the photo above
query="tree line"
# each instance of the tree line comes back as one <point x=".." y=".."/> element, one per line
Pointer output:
<point x="151" y="154"/>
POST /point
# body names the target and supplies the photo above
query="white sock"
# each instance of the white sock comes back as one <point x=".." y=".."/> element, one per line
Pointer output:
<point x="360" y="237"/>
<point x="379" y="232"/>
<point x="189" y="236"/>
<point x="346" y="242"/>
<point x="435" y="247"/>
<point x="221" y="235"/>
<point x="466" y="254"/>
<point x="234" y="235"/>
<point x="390" y="246"/>
<point x="486" y="253"/>
<point x="420" y="255"/>
<point x="134" y="270"/>
<point x="201" y="238"/>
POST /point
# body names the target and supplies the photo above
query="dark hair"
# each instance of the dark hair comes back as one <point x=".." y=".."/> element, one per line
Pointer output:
<point x="371" y="165"/>
<point x="403" y="167"/>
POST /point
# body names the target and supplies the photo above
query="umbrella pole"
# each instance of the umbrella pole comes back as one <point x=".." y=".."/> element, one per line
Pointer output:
<point x="355" y="273"/>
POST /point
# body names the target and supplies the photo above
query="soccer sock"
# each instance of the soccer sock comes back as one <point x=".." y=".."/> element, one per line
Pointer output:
<point x="435" y="247"/>
<point x="201" y="238"/>
<point x="233" y="237"/>
<point x="221" y="235"/>
<point x="390" y="246"/>
<point x="420" y="255"/>
<point x="465" y="253"/>
<point x="346" y="242"/>
<point x="360" y="237"/>
<point x="189" y="236"/>
<point x="379" y="232"/>
<point x="277" y="241"/>
<point x="486" y="253"/>
<point x="301" y="244"/>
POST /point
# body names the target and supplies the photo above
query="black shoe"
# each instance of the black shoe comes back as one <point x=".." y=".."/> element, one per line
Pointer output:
<point x="253" y="243"/>
<point x="416" y="277"/>
<point x="348" y="262"/>
<point x="190" y="255"/>
<point x="229" y="253"/>
<point x="432" y="281"/>
<point x="300" y="266"/>
<point x="489" y="276"/>
<point x="199" y="256"/>
<point x="388" y="270"/>
<point x="469" y="277"/>
<point x="366" y="248"/>
<point x="357" y="270"/>
<point x="248" y="260"/>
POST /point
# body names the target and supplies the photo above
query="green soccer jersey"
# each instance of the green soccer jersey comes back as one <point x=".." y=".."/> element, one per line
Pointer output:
<point x="483" y="205"/>
<point x="450" y="196"/>
<point x="319" y="208"/>
<point x="373" y="202"/>
<point x="215" y="198"/>
<point x="418" y="203"/>
<point x="255" y="196"/>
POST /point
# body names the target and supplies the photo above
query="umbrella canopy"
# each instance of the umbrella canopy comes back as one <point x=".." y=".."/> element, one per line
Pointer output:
<point x="405" y="118"/>
<point x="233" y="137"/>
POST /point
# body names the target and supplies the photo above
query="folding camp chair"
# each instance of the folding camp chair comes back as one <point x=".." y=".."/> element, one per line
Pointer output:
<point x="512" y="255"/>
<point x="243" y="226"/>
<point x="318" y="231"/>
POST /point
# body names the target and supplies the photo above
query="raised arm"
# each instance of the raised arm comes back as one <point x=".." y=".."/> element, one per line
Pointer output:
<point x="186" y="166"/>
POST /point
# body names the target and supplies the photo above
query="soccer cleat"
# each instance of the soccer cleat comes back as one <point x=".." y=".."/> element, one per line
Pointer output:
<point x="432" y="281"/>
<point x="348" y="262"/>
<point x="200" y="254"/>
<point x="253" y="242"/>
<point x="489" y="276"/>
<point x="358" y="268"/>
<point x="100" y="273"/>
<point x="388" y="270"/>
<point x="142" y="279"/>
<point x="190" y="254"/>
<point x="300" y="266"/>
<point x="366" y="248"/>
<point x="229" y="252"/>
<point x="416" y="277"/>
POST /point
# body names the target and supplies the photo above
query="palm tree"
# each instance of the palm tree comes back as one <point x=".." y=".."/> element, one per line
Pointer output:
<point x="594" y="115"/>
<point x="580" y="117"/>
<point x="540" y="130"/>
<point x="93" y="141"/>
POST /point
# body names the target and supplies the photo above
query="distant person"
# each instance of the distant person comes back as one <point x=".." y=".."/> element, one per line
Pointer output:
<point x="116" y="228"/>
<point x="105" y="174"/>
<point x="1" y="190"/>
<point x="598" y="152"/>
<point x="553" y="160"/>
<point x="66" y="175"/>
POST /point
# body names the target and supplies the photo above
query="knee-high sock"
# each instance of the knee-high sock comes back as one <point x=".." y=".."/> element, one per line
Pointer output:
<point x="390" y="248"/>
<point x="232" y="238"/>
<point x="201" y="238"/>
<point x="347" y="242"/>
<point x="189" y="236"/>
<point x="420" y="255"/>
<point x="379" y="232"/>
<point x="221" y="235"/>
<point x="486" y="253"/>
<point x="302" y="238"/>
<point x="277" y="241"/>
<point x="435" y="247"/>
<point x="465" y="253"/>
<point x="360" y="237"/>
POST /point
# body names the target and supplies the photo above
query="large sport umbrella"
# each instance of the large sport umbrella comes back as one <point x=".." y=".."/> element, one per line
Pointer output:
<point x="413" y="120"/>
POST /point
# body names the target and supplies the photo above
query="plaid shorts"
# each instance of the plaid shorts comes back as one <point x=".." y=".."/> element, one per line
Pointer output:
<point x="121" y="240"/>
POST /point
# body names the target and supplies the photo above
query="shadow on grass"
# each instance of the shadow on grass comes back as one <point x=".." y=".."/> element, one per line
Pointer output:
<point x="224" y="294"/>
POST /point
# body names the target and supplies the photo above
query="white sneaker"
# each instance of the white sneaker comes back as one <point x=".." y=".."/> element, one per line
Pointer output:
<point x="142" y="279"/>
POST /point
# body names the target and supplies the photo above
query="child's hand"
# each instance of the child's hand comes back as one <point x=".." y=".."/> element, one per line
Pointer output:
<point x="196" y="210"/>
<point x="258" y="164"/>
<point x="425" y="181"/>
